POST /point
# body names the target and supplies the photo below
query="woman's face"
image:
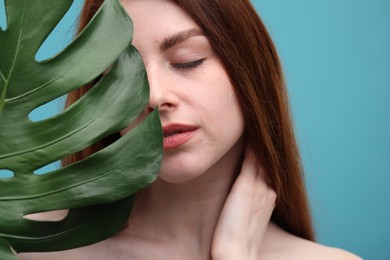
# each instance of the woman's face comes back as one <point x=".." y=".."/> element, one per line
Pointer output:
<point x="202" y="120"/>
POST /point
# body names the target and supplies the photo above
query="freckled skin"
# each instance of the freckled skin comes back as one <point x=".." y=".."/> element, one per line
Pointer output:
<point x="198" y="209"/>
<point x="202" y="96"/>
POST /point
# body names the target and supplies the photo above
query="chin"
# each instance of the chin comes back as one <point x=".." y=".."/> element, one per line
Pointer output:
<point x="181" y="168"/>
<point x="176" y="176"/>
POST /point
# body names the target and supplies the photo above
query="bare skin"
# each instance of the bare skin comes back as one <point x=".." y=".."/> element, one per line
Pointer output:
<point x="203" y="227"/>
<point x="218" y="209"/>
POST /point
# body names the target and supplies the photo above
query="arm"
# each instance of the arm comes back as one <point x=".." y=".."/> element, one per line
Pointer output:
<point x="245" y="216"/>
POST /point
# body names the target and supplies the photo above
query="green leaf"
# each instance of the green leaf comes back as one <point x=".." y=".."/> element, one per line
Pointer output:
<point x="98" y="189"/>
<point x="5" y="251"/>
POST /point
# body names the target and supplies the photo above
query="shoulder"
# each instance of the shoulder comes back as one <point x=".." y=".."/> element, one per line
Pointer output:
<point x="279" y="244"/>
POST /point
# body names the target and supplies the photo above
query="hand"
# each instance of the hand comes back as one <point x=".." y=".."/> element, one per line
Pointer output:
<point x="245" y="216"/>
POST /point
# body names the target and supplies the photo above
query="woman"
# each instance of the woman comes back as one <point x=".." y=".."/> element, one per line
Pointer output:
<point x="230" y="184"/>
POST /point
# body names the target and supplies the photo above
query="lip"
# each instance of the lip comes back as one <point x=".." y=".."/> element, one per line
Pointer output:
<point x="177" y="134"/>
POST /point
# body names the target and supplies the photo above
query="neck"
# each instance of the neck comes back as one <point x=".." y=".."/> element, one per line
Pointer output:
<point x="185" y="212"/>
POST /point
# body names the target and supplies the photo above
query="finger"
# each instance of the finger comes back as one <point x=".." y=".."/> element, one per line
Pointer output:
<point x="263" y="204"/>
<point x="264" y="195"/>
<point x="235" y="216"/>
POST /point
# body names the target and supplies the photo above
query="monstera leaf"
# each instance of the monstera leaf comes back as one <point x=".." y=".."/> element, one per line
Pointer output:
<point x="97" y="189"/>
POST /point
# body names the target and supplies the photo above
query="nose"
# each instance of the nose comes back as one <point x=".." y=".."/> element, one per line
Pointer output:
<point x="162" y="93"/>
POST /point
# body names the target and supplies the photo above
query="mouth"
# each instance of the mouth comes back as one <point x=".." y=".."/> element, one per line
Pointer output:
<point x="176" y="135"/>
<point x="171" y="134"/>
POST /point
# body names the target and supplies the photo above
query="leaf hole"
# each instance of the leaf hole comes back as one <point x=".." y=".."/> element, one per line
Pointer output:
<point x="6" y="174"/>
<point x="47" y="110"/>
<point x="48" y="168"/>
<point x="3" y="16"/>
<point x="62" y="34"/>
<point x="55" y="215"/>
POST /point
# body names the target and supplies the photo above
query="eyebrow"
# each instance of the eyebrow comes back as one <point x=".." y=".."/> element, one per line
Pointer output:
<point x="179" y="37"/>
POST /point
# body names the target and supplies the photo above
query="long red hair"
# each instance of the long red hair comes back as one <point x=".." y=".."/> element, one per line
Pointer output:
<point x="241" y="40"/>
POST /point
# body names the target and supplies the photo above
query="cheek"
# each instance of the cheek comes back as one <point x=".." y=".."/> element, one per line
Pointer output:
<point x="225" y="111"/>
<point x="231" y="112"/>
<point x="225" y="100"/>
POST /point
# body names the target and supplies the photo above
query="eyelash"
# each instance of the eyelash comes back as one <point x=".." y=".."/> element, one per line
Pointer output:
<point x="188" y="65"/>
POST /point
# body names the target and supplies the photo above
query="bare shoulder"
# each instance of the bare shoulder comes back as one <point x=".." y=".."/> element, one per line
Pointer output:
<point x="279" y="244"/>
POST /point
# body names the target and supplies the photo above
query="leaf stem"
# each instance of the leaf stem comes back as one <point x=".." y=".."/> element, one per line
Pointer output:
<point x="2" y="95"/>
<point x="4" y="92"/>
<point x="34" y="90"/>
<point x="2" y="75"/>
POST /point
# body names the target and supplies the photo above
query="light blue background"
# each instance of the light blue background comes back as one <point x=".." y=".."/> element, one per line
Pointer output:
<point x="336" y="55"/>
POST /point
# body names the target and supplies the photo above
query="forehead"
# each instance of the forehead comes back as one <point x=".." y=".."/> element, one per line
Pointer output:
<point x="155" y="21"/>
<point x="161" y="15"/>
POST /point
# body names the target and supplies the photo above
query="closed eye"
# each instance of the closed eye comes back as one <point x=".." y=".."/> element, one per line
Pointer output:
<point x="188" y="65"/>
